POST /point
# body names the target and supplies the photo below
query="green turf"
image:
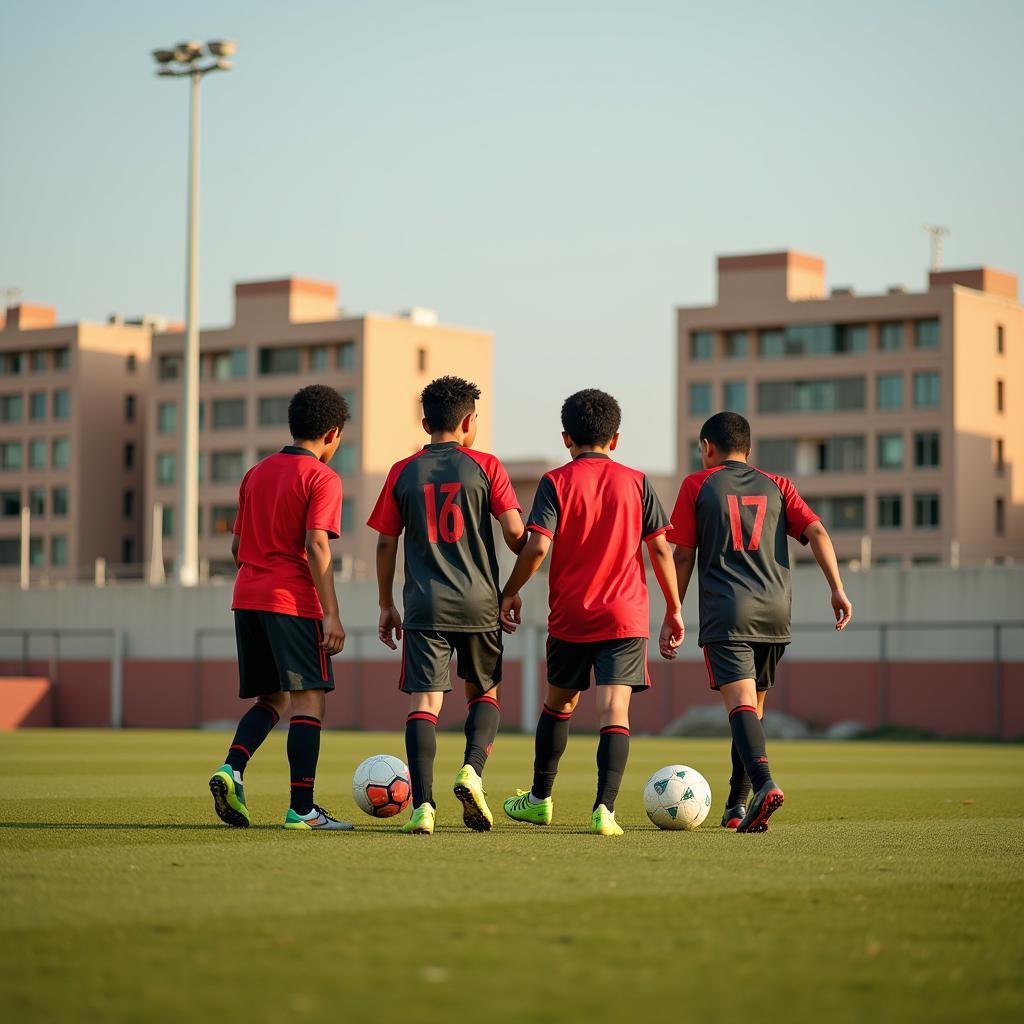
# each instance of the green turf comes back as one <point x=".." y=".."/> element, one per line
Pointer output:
<point x="889" y="889"/>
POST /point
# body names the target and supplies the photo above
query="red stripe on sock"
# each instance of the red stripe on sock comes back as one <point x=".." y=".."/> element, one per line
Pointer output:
<point x="615" y="728"/>
<point x="425" y="715"/>
<point x="487" y="697"/>
<point x="545" y="710"/>
<point x="271" y="709"/>
<point x="306" y="721"/>
<point x="741" y="707"/>
<point x="302" y="785"/>
<point x="238" y="746"/>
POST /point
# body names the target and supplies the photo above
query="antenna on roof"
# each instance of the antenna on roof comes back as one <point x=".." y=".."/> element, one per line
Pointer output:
<point x="936" y="234"/>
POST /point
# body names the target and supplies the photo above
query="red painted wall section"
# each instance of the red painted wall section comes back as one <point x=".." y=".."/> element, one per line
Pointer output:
<point x="25" y="703"/>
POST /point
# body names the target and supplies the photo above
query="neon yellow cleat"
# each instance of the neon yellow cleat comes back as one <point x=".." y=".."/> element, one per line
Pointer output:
<point x="422" y="821"/>
<point x="603" y="823"/>
<point x="469" y="790"/>
<point x="519" y="808"/>
<point x="229" y="798"/>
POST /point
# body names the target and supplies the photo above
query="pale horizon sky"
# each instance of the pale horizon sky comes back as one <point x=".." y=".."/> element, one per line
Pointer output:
<point x="563" y="174"/>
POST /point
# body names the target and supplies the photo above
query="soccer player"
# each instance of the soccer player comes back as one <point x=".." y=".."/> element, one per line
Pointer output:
<point x="443" y="498"/>
<point x="286" y="610"/>
<point x="731" y="520"/>
<point x="598" y="514"/>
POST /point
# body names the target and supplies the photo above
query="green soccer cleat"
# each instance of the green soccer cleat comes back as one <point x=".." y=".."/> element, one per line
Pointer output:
<point x="229" y="798"/>
<point x="519" y="808"/>
<point x="422" y="821"/>
<point x="317" y="820"/>
<point x="603" y="823"/>
<point x="469" y="790"/>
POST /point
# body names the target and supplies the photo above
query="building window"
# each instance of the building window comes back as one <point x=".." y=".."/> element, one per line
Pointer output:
<point x="37" y="405"/>
<point x="890" y="390"/>
<point x="167" y="521"/>
<point x="1000" y="340"/>
<point x="228" y="413"/>
<point x="168" y="367"/>
<point x="890" y="511"/>
<point x="700" y="399"/>
<point x="166" y="467"/>
<point x="734" y="395"/>
<point x="10" y="551"/>
<point x="890" y="337"/>
<point x="926" y="333"/>
<point x="61" y="453"/>
<point x="926" y="390"/>
<point x="1000" y="396"/>
<point x="167" y="417"/>
<point x="926" y="450"/>
<point x="59" y="501"/>
<point x="37" y="361"/>
<point x="11" y="408"/>
<point x="59" y="550"/>
<point x="128" y="459"/>
<point x="737" y="344"/>
<point x="776" y="454"/>
<point x="61" y="405"/>
<point x="128" y="504"/>
<point x="273" y="410"/>
<point x="318" y="357"/>
<point x="350" y="400"/>
<point x="62" y="358"/>
<point x="890" y="451"/>
<point x="36" y="552"/>
<point x="851" y="338"/>
<point x="1000" y="457"/>
<point x="840" y="513"/>
<point x="129" y="408"/>
<point x="702" y="345"/>
<point x="37" y="454"/>
<point x="131" y="363"/>
<point x="37" y="501"/>
<point x="348" y="515"/>
<point x="10" y="504"/>
<point x="222" y="519"/>
<point x="1000" y="516"/>
<point x="772" y="344"/>
<point x="347" y="355"/>
<point x="345" y="462"/>
<point x="696" y="462"/>
<point x="810" y="395"/>
<point x="229" y="365"/>
<point x="421" y="360"/>
<point x="926" y="511"/>
<point x="279" y="360"/>
<point x="127" y="551"/>
<point x="227" y="467"/>
<point x="841" y="455"/>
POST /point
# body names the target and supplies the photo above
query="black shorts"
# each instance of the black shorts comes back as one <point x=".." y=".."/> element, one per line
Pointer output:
<point x="427" y="656"/>
<point x="733" y="660"/>
<point x="620" y="662"/>
<point x="280" y="653"/>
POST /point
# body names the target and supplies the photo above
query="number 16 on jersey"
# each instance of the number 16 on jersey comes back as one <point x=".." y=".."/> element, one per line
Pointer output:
<point x="449" y="522"/>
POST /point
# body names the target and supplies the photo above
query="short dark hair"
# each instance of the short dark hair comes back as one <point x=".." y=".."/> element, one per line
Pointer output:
<point x="447" y="401"/>
<point x="728" y="432"/>
<point x="314" y="410"/>
<point x="591" y="417"/>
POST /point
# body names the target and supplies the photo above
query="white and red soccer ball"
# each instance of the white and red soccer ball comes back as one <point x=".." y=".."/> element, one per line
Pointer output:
<point x="381" y="786"/>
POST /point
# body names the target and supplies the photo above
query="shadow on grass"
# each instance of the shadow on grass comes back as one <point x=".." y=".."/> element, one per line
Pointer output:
<point x="129" y="825"/>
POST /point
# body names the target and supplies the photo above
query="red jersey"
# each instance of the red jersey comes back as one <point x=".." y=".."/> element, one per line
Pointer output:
<point x="281" y="498"/>
<point x="598" y="513"/>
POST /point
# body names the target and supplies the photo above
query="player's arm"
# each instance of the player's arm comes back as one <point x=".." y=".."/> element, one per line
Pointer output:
<point x="530" y="559"/>
<point x="321" y="568"/>
<point x="684" y="560"/>
<point x="672" y="629"/>
<point x="513" y="530"/>
<point x="825" y="555"/>
<point x="389" y="626"/>
<point x="236" y="540"/>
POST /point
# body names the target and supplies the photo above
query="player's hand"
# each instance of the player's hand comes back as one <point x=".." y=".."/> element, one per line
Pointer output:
<point x="390" y="622"/>
<point x="842" y="608"/>
<point x="672" y="633"/>
<point x="511" y="612"/>
<point x="334" y="635"/>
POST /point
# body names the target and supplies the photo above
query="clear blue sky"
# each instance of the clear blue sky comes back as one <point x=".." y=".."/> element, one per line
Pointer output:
<point x="562" y="173"/>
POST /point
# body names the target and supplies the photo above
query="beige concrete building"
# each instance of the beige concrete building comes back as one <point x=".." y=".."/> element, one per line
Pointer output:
<point x="286" y="334"/>
<point x="72" y="407"/>
<point x="896" y="414"/>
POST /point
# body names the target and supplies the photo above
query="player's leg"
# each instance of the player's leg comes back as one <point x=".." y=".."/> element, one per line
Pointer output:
<point x="426" y="657"/>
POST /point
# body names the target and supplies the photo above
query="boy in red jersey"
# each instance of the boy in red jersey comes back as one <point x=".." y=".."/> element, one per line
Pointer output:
<point x="599" y="515"/>
<point x="443" y="498"/>
<point x="285" y="605"/>
<point x="732" y="520"/>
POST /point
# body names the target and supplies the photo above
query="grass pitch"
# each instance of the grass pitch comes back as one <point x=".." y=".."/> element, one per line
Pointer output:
<point x="889" y="888"/>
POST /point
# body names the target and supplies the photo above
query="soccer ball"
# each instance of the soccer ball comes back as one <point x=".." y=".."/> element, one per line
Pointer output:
<point x="381" y="786"/>
<point x="677" y="797"/>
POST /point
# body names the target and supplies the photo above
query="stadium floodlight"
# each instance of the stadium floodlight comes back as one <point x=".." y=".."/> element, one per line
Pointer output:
<point x="184" y="59"/>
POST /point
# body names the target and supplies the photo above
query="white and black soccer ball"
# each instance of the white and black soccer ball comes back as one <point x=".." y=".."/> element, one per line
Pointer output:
<point x="381" y="786"/>
<point x="677" y="797"/>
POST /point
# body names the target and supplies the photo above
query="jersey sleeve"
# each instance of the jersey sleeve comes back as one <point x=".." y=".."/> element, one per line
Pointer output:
<point x="799" y="515"/>
<point x="324" y="509"/>
<point x="544" y="514"/>
<point x="503" y="495"/>
<point x="655" y="522"/>
<point x="237" y="528"/>
<point x="684" y="514"/>
<point x="386" y="516"/>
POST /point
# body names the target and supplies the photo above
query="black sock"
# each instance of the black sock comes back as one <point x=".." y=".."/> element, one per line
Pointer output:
<point x="612" y="754"/>
<point x="420" y="748"/>
<point x="739" y="784"/>
<point x="552" y="737"/>
<point x="303" y="752"/>
<point x="482" y="720"/>
<point x="748" y="735"/>
<point x="253" y="728"/>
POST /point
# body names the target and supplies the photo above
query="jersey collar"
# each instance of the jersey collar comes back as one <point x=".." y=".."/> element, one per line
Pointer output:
<point x="294" y="449"/>
<point x="440" y="445"/>
<point x="592" y="455"/>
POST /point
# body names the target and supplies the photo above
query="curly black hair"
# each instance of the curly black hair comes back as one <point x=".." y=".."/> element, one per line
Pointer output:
<point x="591" y="417"/>
<point x="314" y="410"/>
<point x="728" y="432"/>
<point x="447" y="401"/>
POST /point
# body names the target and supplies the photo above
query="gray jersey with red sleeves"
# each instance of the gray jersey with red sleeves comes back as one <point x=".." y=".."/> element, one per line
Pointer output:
<point x="738" y="518"/>
<point x="443" y="498"/>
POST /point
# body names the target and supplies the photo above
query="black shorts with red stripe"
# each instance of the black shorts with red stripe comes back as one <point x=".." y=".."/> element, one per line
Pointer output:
<point x="427" y="657"/>
<point x="278" y="652"/>
<point x="733" y="660"/>
<point x="621" y="662"/>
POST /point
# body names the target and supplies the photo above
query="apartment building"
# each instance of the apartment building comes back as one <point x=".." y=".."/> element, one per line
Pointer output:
<point x="286" y="334"/>
<point x="895" y="414"/>
<point x="72" y="402"/>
